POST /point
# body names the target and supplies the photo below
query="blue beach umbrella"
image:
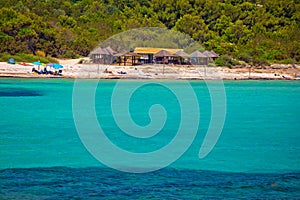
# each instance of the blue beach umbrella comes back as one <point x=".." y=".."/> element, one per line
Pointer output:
<point x="57" y="66"/>
<point x="37" y="63"/>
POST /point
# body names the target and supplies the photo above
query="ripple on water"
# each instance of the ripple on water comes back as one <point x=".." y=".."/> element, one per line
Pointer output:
<point x="95" y="183"/>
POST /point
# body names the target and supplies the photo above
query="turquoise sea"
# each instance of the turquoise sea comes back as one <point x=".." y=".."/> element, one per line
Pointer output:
<point x="256" y="157"/>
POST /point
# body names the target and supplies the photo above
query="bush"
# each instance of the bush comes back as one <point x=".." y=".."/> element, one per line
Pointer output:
<point x="257" y="63"/>
<point x="226" y="60"/>
<point x="27" y="58"/>
<point x="286" y="61"/>
<point x="245" y="57"/>
<point x="70" y="55"/>
<point x="40" y="54"/>
<point x="222" y="60"/>
<point x="76" y="56"/>
<point x="235" y="62"/>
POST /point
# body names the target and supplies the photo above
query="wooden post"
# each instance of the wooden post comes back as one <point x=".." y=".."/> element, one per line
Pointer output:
<point x="249" y="72"/>
<point x="163" y="65"/>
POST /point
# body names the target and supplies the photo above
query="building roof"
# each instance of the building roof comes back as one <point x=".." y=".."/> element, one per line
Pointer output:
<point x="118" y="54"/>
<point x="101" y="51"/>
<point x="182" y="54"/>
<point x="197" y="54"/>
<point x="163" y="53"/>
<point x="208" y="54"/>
<point x="105" y="51"/>
<point x="110" y="50"/>
<point x="131" y="54"/>
<point x="96" y="50"/>
<point x="150" y="50"/>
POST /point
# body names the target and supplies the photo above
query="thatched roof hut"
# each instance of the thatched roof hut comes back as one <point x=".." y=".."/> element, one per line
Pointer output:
<point x="163" y="57"/>
<point x="208" y="54"/>
<point x="99" y="51"/>
<point x="101" y="56"/>
<point x="182" y="57"/>
<point x="110" y="50"/>
<point x="163" y="53"/>
<point x="197" y="54"/>
<point x="198" y="58"/>
<point x="182" y="54"/>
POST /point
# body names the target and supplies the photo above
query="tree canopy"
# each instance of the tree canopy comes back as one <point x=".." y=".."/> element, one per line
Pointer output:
<point x="253" y="31"/>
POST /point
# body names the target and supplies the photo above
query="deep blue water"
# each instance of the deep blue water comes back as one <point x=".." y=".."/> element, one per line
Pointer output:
<point x="97" y="183"/>
<point x="257" y="155"/>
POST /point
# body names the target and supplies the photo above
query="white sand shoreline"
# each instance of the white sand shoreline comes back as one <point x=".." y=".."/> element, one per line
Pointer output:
<point x="172" y="72"/>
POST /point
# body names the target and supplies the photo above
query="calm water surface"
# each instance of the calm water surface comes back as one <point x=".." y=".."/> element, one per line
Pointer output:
<point x="257" y="155"/>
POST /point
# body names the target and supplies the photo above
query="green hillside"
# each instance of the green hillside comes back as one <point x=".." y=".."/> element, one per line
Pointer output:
<point x="257" y="32"/>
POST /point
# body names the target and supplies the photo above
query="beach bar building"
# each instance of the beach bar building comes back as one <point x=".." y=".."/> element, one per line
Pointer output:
<point x="182" y="57"/>
<point x="164" y="57"/>
<point x="148" y="54"/>
<point x="127" y="58"/>
<point x="203" y="58"/>
<point x="198" y="58"/>
<point x="102" y="55"/>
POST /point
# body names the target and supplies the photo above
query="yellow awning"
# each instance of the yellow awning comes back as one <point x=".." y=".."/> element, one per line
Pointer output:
<point x="149" y="50"/>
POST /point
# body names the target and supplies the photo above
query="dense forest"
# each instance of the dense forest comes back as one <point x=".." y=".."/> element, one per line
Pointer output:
<point x="253" y="31"/>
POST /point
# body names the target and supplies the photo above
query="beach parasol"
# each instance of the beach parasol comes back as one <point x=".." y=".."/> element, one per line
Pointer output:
<point x="54" y="65"/>
<point x="37" y="63"/>
<point x="57" y="66"/>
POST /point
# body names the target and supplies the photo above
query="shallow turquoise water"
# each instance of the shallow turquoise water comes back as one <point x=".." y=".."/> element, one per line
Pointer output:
<point x="261" y="133"/>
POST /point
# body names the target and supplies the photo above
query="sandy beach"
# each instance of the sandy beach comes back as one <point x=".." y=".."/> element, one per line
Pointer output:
<point x="156" y="71"/>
